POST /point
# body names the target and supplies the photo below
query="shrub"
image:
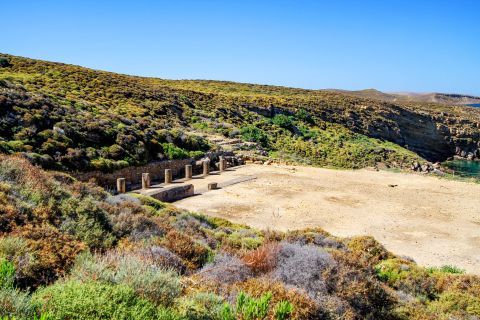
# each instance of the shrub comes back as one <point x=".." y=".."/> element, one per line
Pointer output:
<point x="226" y="268"/>
<point x="249" y="308"/>
<point x="283" y="310"/>
<point x="446" y="269"/>
<point x="53" y="253"/>
<point x="254" y="134"/>
<point x="406" y="276"/>
<point x="4" y="62"/>
<point x="87" y="222"/>
<point x="304" y="115"/>
<point x="93" y="300"/>
<point x="149" y="281"/>
<point x="367" y="251"/>
<point x="194" y="253"/>
<point x="7" y="274"/>
<point x="263" y="259"/>
<point x="303" y="267"/>
<point x="282" y="121"/>
<point x="173" y="152"/>
<point x="15" y="304"/>
<point x="303" y="306"/>
<point x="161" y="257"/>
<point x="200" y="306"/>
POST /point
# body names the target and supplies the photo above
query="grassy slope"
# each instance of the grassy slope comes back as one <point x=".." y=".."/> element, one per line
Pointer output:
<point x="110" y="120"/>
<point x="150" y="260"/>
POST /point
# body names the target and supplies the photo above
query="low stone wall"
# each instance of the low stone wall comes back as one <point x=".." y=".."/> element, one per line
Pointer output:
<point x="133" y="175"/>
<point x="156" y="170"/>
<point x="172" y="193"/>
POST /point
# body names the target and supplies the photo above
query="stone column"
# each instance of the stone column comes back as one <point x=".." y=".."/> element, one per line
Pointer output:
<point x="206" y="168"/>
<point x="188" y="171"/>
<point x="221" y="164"/>
<point x="168" y="176"/>
<point x="121" y="185"/>
<point x="145" y="180"/>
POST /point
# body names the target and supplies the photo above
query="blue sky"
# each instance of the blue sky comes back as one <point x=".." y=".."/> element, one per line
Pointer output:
<point x="420" y="46"/>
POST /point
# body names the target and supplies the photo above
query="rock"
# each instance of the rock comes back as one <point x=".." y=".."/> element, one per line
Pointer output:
<point x="470" y="156"/>
<point x="463" y="154"/>
<point x="415" y="166"/>
<point x="267" y="163"/>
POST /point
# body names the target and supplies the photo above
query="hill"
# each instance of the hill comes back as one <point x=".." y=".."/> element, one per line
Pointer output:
<point x="72" y="118"/>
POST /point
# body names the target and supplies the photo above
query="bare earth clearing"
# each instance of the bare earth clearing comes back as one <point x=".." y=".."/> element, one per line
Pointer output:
<point x="432" y="220"/>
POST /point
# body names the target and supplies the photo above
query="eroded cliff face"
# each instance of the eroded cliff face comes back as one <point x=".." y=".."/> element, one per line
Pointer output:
<point x="435" y="134"/>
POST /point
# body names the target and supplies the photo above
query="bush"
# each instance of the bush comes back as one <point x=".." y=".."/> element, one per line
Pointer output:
<point x="161" y="257"/>
<point x="226" y="268"/>
<point x="303" y="267"/>
<point x="173" y="152"/>
<point x="4" y="62"/>
<point x="283" y="310"/>
<point x="93" y="300"/>
<point x="87" y="222"/>
<point x="303" y="306"/>
<point x="263" y="259"/>
<point x="15" y="304"/>
<point x="50" y="254"/>
<point x="283" y="121"/>
<point x="200" y="306"/>
<point x="7" y="274"/>
<point x="254" y="134"/>
<point x="149" y="281"/>
<point x="367" y="251"/>
<point x="194" y="253"/>
<point x="406" y="276"/>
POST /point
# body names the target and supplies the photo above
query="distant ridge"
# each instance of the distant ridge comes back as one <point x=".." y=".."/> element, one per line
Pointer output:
<point x="432" y="97"/>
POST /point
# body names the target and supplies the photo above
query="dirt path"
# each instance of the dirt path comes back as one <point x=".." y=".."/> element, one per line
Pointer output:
<point x="434" y="221"/>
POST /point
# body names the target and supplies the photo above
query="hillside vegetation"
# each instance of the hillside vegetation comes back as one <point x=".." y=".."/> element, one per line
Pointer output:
<point x="68" y="250"/>
<point x="73" y="118"/>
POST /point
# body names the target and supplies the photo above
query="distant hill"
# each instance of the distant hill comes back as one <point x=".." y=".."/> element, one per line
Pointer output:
<point x="442" y="98"/>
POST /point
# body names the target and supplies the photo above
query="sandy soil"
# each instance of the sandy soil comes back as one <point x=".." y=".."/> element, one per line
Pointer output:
<point x="432" y="220"/>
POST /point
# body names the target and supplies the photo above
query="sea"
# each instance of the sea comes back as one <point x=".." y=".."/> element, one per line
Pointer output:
<point x="474" y="105"/>
<point x="465" y="168"/>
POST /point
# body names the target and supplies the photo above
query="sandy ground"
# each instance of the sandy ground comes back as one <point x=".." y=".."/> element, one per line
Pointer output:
<point x="432" y="220"/>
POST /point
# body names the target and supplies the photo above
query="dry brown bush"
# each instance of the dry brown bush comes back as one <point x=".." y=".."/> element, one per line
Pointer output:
<point x="263" y="259"/>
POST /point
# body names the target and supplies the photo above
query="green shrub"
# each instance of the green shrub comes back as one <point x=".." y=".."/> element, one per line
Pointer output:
<point x="16" y="304"/>
<point x="93" y="300"/>
<point x="173" y="152"/>
<point x="254" y="134"/>
<point x="200" y="306"/>
<point x="149" y="281"/>
<point x="283" y="310"/>
<point x="249" y="308"/>
<point x="7" y="274"/>
<point x="282" y="121"/>
<point x="304" y="115"/>
<point x="86" y="221"/>
<point x="446" y="269"/>
<point x="4" y="62"/>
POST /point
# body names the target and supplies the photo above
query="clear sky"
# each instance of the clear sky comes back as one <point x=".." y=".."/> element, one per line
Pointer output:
<point x="421" y="46"/>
